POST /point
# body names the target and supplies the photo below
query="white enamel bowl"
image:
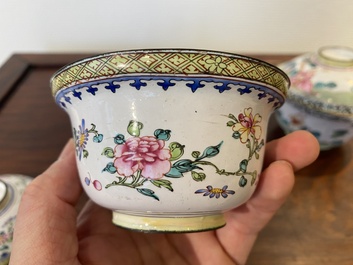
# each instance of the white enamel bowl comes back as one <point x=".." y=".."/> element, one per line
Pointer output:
<point x="321" y="96"/>
<point x="169" y="139"/>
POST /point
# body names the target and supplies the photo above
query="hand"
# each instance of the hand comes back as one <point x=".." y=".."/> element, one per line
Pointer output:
<point x="49" y="231"/>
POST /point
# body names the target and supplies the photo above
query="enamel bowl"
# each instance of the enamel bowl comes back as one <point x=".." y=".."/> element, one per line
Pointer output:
<point x="169" y="139"/>
<point x="321" y="96"/>
<point x="12" y="187"/>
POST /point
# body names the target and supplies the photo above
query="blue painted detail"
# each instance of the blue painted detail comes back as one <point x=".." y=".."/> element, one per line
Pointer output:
<point x="92" y="90"/>
<point x="165" y="82"/>
<point x="77" y="94"/>
<point x="223" y="87"/>
<point x="261" y="95"/>
<point x="195" y="85"/>
<point x="138" y="84"/>
<point x="317" y="134"/>
<point x="112" y="87"/>
<point x="246" y="90"/>
<point x="270" y="100"/>
<point x="67" y="99"/>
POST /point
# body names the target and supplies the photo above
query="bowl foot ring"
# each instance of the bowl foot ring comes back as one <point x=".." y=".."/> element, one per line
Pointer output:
<point x="183" y="224"/>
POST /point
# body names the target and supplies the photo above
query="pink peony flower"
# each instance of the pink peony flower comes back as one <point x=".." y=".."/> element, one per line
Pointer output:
<point x="142" y="153"/>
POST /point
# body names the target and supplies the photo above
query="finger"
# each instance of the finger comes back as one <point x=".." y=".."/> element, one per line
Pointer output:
<point x="245" y="222"/>
<point x="100" y="240"/>
<point x="275" y="185"/>
<point x="91" y="218"/>
<point x="299" y="148"/>
<point x="59" y="182"/>
<point x="47" y="208"/>
<point x="62" y="177"/>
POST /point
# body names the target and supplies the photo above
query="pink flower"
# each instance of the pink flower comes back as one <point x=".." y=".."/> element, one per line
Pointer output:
<point x="142" y="153"/>
<point x="248" y="124"/>
<point x="302" y="80"/>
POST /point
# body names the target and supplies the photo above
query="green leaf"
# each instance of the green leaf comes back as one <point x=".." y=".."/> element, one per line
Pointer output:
<point x="231" y="116"/>
<point x="98" y="138"/>
<point x="174" y="173"/>
<point x="162" y="183"/>
<point x="85" y="153"/>
<point x="119" y="139"/>
<point x="242" y="181"/>
<point x="322" y="85"/>
<point x="198" y="176"/>
<point x="176" y="150"/>
<point x="339" y="133"/>
<point x="259" y="146"/>
<point x="236" y="135"/>
<point x="162" y="134"/>
<point x="254" y="177"/>
<point x="108" y="152"/>
<point x="110" y="168"/>
<point x="211" y="151"/>
<point x="134" y="128"/>
<point x="185" y="165"/>
<point x="148" y="192"/>
<point x="230" y="123"/>
<point x="243" y="165"/>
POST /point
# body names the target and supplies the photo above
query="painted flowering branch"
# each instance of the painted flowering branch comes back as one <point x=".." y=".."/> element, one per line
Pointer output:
<point x="187" y="165"/>
<point x="135" y="181"/>
<point x="97" y="138"/>
<point x="247" y="129"/>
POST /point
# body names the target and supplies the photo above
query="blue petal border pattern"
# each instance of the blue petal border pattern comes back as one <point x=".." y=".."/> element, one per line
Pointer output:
<point x="166" y="82"/>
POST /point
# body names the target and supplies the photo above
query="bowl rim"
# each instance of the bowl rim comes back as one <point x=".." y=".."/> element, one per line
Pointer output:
<point x="283" y="89"/>
<point x="337" y="110"/>
<point x="336" y="60"/>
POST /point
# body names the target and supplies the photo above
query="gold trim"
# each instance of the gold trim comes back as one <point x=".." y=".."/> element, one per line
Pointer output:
<point x="168" y="224"/>
<point x="169" y="62"/>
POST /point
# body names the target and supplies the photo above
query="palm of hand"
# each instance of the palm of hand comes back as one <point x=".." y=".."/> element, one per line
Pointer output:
<point x="57" y="236"/>
<point x="99" y="239"/>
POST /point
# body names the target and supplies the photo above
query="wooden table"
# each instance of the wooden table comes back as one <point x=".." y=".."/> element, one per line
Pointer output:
<point x="315" y="226"/>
